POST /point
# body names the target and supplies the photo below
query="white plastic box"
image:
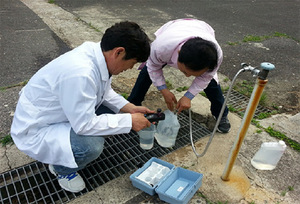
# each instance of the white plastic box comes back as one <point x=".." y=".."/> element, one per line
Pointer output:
<point x="176" y="186"/>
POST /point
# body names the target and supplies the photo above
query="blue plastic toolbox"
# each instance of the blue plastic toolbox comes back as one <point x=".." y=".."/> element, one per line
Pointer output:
<point x="173" y="185"/>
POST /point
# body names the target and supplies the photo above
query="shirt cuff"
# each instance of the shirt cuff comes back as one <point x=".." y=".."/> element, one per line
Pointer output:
<point x="161" y="87"/>
<point x="189" y="95"/>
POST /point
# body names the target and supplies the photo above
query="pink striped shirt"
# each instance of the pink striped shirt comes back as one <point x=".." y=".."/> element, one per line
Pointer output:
<point x="169" y="39"/>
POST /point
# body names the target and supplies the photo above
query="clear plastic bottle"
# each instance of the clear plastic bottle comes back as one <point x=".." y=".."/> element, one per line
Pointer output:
<point x="267" y="157"/>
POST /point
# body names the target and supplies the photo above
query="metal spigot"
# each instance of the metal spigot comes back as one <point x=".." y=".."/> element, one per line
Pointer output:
<point x="254" y="71"/>
<point x="266" y="67"/>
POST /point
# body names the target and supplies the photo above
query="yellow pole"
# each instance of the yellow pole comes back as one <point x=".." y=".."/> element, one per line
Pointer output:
<point x="254" y="100"/>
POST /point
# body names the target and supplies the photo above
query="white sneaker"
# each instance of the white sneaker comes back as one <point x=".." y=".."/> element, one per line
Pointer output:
<point x="72" y="182"/>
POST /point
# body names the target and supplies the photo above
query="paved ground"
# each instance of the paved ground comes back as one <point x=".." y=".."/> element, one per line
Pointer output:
<point x="30" y="37"/>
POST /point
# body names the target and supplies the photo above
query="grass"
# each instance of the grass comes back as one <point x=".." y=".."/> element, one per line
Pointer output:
<point x="94" y="27"/>
<point x="23" y="83"/>
<point x="6" y="140"/>
<point x="279" y="135"/>
<point x="125" y="95"/>
<point x="226" y="79"/>
<point x="180" y="89"/>
<point x="231" y="108"/>
<point x="259" y="131"/>
<point x="274" y="133"/>
<point x="169" y="85"/>
<point x="260" y="38"/>
<point x="89" y="24"/>
<point x="289" y="188"/>
<point x="246" y="88"/>
<point x="264" y="115"/>
<point x="202" y="93"/>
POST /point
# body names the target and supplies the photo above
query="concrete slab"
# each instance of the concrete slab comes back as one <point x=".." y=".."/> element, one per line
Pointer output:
<point x="285" y="123"/>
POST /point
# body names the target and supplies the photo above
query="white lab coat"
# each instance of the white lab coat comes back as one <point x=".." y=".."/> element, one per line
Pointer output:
<point x="64" y="94"/>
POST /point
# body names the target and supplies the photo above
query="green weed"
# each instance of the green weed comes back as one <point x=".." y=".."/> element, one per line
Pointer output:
<point x="289" y="188"/>
<point x="125" y="95"/>
<point x="264" y="115"/>
<point x="23" y="83"/>
<point x="231" y="108"/>
<point x="6" y="140"/>
<point x="259" y="131"/>
<point x="293" y="144"/>
<point x="202" y="93"/>
<point x="89" y="24"/>
<point x="225" y="89"/>
<point x="94" y="27"/>
<point x="169" y="85"/>
<point x="258" y="38"/>
<point x="256" y="123"/>
<point x="180" y="89"/>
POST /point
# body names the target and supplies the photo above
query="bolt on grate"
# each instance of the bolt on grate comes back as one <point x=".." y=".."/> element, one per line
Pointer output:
<point x="33" y="183"/>
<point x="240" y="102"/>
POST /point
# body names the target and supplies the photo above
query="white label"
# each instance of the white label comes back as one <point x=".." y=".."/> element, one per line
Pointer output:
<point x="180" y="189"/>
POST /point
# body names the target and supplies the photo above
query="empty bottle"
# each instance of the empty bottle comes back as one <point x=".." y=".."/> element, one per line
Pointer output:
<point x="267" y="157"/>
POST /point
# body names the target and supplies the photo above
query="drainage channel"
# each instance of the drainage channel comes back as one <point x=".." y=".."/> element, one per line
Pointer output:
<point x="240" y="102"/>
<point x="33" y="183"/>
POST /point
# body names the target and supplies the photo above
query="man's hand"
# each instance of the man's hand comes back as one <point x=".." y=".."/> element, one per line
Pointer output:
<point x="131" y="108"/>
<point x="141" y="109"/>
<point x="139" y="121"/>
<point x="183" y="104"/>
<point x="170" y="98"/>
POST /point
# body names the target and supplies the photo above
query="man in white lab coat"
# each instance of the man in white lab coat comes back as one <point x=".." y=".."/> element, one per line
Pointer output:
<point x="59" y="118"/>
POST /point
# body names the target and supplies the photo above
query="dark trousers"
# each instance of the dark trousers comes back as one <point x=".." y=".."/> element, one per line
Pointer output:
<point x="213" y="92"/>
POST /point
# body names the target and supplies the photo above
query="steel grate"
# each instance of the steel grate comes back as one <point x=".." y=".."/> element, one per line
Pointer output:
<point x="240" y="103"/>
<point x="33" y="183"/>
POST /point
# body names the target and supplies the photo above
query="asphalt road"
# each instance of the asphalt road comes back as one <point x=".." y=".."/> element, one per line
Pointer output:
<point x="27" y="43"/>
<point x="232" y="21"/>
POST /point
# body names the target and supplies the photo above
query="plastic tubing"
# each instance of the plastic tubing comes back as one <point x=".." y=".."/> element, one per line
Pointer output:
<point x="218" y="120"/>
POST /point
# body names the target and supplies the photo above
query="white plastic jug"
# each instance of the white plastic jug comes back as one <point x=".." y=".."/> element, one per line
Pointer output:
<point x="267" y="157"/>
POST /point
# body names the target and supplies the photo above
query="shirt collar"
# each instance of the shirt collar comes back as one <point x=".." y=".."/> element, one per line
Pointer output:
<point x="101" y="63"/>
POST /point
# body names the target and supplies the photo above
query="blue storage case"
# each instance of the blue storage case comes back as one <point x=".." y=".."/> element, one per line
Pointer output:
<point x="177" y="186"/>
<point x="142" y="185"/>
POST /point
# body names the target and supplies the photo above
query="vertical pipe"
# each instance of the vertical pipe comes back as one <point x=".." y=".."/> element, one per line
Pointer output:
<point x="254" y="100"/>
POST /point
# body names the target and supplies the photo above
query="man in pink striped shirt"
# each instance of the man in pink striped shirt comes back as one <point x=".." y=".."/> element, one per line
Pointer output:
<point x="190" y="46"/>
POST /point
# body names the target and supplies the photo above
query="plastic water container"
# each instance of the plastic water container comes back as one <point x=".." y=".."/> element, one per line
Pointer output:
<point x="167" y="130"/>
<point x="147" y="137"/>
<point x="269" y="154"/>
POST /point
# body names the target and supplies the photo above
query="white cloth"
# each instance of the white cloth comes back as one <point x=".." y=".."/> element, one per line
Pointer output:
<point x="64" y="94"/>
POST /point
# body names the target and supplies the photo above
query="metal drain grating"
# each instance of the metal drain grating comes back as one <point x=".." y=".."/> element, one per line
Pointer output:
<point x="33" y="183"/>
<point x="240" y="103"/>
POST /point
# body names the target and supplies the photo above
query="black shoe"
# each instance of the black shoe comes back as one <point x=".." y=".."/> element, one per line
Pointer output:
<point x="224" y="125"/>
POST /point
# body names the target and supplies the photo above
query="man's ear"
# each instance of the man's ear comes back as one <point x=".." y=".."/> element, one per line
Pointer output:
<point x="119" y="51"/>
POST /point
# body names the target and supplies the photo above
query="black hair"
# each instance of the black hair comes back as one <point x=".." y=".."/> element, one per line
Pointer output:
<point x="198" y="54"/>
<point x="130" y="36"/>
